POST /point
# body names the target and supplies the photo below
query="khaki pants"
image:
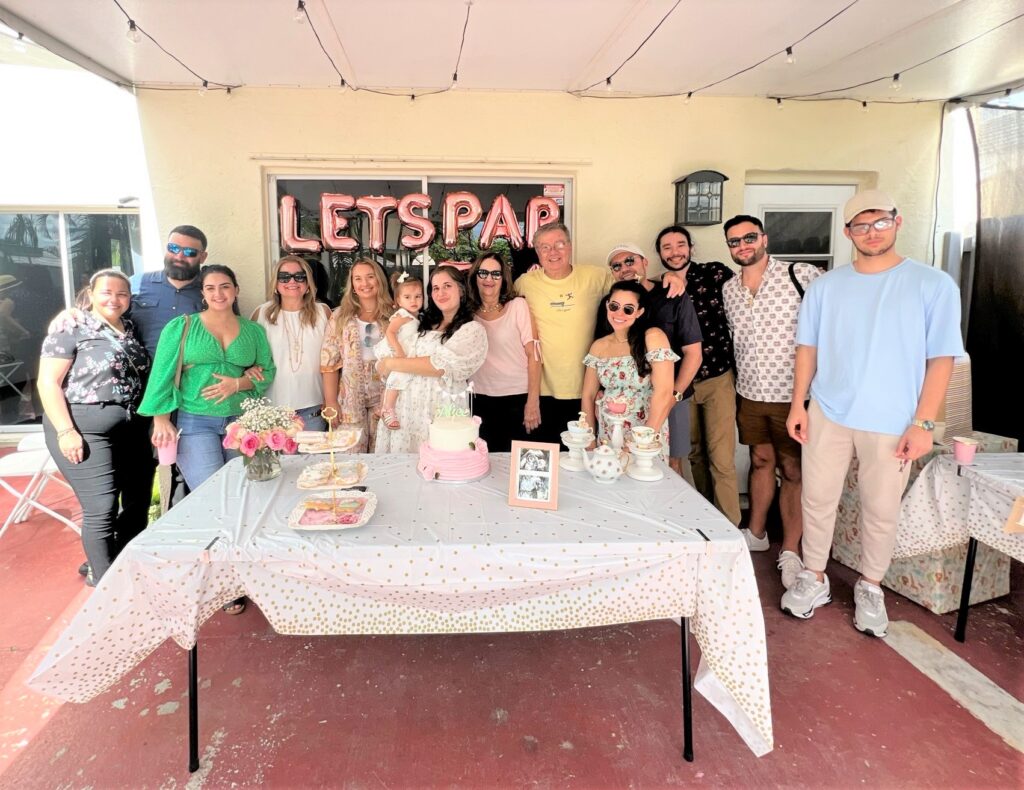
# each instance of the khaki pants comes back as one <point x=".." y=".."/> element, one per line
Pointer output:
<point x="826" y="460"/>
<point x="713" y="443"/>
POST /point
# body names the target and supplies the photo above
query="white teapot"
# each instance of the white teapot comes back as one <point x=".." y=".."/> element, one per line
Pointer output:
<point x="604" y="464"/>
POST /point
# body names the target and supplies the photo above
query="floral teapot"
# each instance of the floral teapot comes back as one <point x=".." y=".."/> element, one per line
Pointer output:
<point x="604" y="464"/>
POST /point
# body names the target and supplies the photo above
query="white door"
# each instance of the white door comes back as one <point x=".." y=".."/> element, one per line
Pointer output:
<point x="803" y="222"/>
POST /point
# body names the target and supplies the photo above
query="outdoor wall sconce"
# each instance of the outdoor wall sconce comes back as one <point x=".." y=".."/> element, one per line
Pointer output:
<point x="699" y="198"/>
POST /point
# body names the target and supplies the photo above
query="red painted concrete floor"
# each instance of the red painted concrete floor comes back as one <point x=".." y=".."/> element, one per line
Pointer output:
<point x="596" y="708"/>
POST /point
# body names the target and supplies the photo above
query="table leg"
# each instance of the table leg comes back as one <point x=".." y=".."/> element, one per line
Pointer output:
<point x="965" y="593"/>
<point x="684" y="633"/>
<point x="193" y="709"/>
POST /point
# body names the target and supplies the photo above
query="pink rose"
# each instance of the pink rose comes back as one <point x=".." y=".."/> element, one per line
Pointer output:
<point x="291" y="446"/>
<point x="250" y="443"/>
<point x="276" y="438"/>
<point x="230" y="442"/>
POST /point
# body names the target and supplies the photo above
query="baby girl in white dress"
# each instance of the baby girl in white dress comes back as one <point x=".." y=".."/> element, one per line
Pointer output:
<point x="400" y="334"/>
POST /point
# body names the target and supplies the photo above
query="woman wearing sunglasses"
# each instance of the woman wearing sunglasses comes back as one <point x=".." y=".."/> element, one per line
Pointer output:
<point x="507" y="385"/>
<point x="295" y="324"/>
<point x="347" y="360"/>
<point x="634" y="363"/>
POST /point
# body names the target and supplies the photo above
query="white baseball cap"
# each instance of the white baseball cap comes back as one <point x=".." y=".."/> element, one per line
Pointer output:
<point x="868" y="200"/>
<point x="627" y="247"/>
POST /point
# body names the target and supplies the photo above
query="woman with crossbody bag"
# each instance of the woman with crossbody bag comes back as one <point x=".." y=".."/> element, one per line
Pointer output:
<point x="91" y="378"/>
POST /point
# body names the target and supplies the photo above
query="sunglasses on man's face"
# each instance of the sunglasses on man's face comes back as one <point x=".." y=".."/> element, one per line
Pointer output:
<point x="188" y="252"/>
<point x="628" y="309"/>
<point x="617" y="267"/>
<point x="749" y="238"/>
<point x="284" y="277"/>
<point x="862" y="228"/>
<point x="483" y="274"/>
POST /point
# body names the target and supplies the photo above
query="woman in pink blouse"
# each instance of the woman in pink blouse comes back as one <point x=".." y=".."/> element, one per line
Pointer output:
<point x="508" y="383"/>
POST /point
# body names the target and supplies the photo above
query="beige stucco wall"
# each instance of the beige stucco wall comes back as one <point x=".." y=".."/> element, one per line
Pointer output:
<point x="209" y="156"/>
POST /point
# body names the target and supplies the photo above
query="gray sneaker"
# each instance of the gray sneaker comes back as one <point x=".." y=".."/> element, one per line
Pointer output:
<point x="806" y="595"/>
<point x="790" y="565"/>
<point x="754" y="543"/>
<point x="870" y="617"/>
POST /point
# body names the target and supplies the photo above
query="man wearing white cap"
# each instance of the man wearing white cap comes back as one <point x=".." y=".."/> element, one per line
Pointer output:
<point x="876" y="344"/>
<point x="678" y="319"/>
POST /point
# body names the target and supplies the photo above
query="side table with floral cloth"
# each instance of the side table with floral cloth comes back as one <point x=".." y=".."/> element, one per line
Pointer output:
<point x="932" y="579"/>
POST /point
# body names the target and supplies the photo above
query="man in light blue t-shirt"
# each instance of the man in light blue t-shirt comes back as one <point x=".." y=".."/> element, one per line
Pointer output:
<point x="876" y="343"/>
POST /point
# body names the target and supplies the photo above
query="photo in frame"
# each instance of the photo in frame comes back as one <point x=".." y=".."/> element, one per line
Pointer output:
<point x="533" y="475"/>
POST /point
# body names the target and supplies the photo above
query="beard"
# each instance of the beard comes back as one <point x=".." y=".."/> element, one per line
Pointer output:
<point x="180" y="271"/>
<point x="867" y="252"/>
<point x="755" y="258"/>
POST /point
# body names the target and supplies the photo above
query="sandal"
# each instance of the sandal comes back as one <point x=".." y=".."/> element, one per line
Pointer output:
<point x="237" y="606"/>
<point x="390" y="419"/>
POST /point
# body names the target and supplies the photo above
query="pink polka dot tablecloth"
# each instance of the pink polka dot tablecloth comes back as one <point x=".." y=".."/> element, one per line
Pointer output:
<point x="434" y="558"/>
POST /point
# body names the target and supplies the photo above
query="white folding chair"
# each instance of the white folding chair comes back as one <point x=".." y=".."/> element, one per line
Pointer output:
<point x="31" y="460"/>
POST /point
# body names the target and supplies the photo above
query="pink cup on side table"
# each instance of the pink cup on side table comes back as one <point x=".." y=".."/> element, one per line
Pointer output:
<point x="964" y="449"/>
<point x="167" y="454"/>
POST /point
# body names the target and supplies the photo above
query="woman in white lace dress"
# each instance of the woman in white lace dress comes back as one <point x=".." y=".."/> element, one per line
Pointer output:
<point x="448" y="349"/>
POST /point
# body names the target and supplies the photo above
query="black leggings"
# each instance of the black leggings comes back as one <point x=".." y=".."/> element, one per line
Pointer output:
<point x="117" y="462"/>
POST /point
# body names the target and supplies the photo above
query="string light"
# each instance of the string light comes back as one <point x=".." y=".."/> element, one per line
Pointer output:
<point x="790" y="57"/>
<point x="228" y="94"/>
<point x="688" y="97"/>
<point x="896" y="84"/>
<point x="204" y="88"/>
<point x="455" y="79"/>
<point x="133" y="32"/>
<point x="608" y="84"/>
<point x="863" y="106"/>
<point x="778" y="104"/>
<point x="19" y="43"/>
<point x="300" y="12"/>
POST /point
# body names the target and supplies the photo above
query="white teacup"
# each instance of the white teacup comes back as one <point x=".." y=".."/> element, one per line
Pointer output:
<point x="578" y="429"/>
<point x="644" y="436"/>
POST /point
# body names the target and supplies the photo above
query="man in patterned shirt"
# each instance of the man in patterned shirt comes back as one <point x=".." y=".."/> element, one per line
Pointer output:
<point x="762" y="306"/>
<point x="713" y="405"/>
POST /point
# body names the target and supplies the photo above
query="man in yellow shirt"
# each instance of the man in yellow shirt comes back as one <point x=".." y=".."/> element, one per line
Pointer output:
<point x="564" y="300"/>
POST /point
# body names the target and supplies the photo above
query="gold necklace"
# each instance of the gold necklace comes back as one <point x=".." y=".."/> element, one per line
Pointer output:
<point x="484" y="309"/>
<point x="294" y="342"/>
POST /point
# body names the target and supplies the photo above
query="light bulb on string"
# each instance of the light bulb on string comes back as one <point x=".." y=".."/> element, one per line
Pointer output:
<point x="608" y="84"/>
<point x="300" y="12"/>
<point x="134" y="35"/>
<point x="896" y="84"/>
<point x="205" y="87"/>
<point x="455" y="79"/>
<point x="688" y="97"/>
<point x="863" y="106"/>
<point x="790" y="57"/>
<point x="19" y="43"/>
<point x="227" y="94"/>
<point x="778" y="104"/>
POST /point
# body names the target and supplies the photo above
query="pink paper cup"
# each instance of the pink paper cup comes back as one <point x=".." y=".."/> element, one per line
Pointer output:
<point x="964" y="449"/>
<point x="167" y="454"/>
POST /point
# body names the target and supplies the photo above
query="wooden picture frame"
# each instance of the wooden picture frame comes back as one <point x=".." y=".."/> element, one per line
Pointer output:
<point x="533" y="475"/>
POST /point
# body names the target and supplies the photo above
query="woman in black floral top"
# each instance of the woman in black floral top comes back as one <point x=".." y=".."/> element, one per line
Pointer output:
<point x="91" y="379"/>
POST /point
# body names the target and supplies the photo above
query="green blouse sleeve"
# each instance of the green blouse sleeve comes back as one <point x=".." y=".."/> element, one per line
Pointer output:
<point x="162" y="397"/>
<point x="264" y="358"/>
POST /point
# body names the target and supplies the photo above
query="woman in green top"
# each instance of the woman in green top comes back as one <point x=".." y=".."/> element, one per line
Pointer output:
<point x="218" y="347"/>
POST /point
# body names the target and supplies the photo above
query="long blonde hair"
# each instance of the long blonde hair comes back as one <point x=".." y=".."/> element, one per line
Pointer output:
<point x="349" y="307"/>
<point x="309" y="309"/>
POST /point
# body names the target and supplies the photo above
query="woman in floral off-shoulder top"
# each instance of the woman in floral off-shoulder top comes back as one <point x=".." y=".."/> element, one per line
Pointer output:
<point x="634" y="363"/>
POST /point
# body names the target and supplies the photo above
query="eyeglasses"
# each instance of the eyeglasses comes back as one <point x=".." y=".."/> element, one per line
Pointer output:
<point x="544" y="249"/>
<point x="617" y="267"/>
<point x="188" y="252"/>
<point x="285" y="277"/>
<point x="861" y="228"/>
<point x="628" y="309"/>
<point x="483" y="274"/>
<point x="749" y="238"/>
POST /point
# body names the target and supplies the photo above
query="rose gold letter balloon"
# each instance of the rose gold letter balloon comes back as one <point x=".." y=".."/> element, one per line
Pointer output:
<point x="423" y="230"/>
<point x="375" y="207"/>
<point x="332" y="224"/>
<point x="290" y="239"/>
<point x="501" y="221"/>
<point x="539" y="211"/>
<point x="461" y="211"/>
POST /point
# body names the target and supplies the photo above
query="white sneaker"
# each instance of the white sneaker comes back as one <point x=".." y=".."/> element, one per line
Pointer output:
<point x="754" y="543"/>
<point x="870" y="617"/>
<point x="806" y="595"/>
<point x="790" y="565"/>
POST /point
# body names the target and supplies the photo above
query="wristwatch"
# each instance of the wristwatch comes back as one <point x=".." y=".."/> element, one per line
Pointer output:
<point x="927" y="425"/>
<point x="678" y="395"/>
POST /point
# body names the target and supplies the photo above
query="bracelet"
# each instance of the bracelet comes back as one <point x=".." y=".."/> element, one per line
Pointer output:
<point x="65" y="432"/>
<point x="238" y="383"/>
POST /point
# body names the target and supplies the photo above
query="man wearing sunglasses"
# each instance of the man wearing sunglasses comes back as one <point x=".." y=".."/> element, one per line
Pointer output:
<point x="877" y="341"/>
<point x="678" y="319"/>
<point x="762" y="305"/>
